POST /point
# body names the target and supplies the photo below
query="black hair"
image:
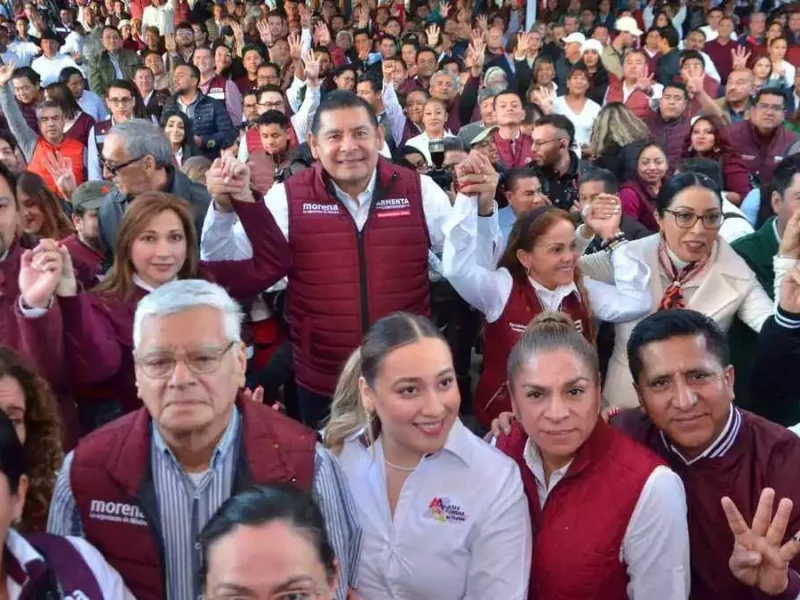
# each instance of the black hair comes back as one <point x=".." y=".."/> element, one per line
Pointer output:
<point x="270" y="65"/>
<point x="452" y="144"/>
<point x="143" y="68"/>
<point x="426" y="49"/>
<point x="704" y="166"/>
<point x="678" y="183"/>
<point x="532" y="113"/>
<point x="578" y="67"/>
<point x="604" y="176"/>
<point x="697" y="30"/>
<point x="60" y="95"/>
<point x="669" y="34"/>
<point x="692" y="55"/>
<point x="388" y="36"/>
<point x="668" y="324"/>
<point x="784" y="174"/>
<point x="373" y="80"/>
<point x="68" y="72"/>
<point x="410" y="42"/>
<point x="28" y="73"/>
<point x="139" y="111"/>
<point x="514" y="175"/>
<point x="254" y="48"/>
<point x="399" y="59"/>
<point x="357" y="32"/>
<point x="12" y="454"/>
<point x="111" y="28"/>
<point x="559" y="122"/>
<point x="769" y="91"/>
<point x="188" y="124"/>
<point x="8" y="138"/>
<point x="260" y="505"/>
<point x="678" y="85"/>
<point x="184" y="25"/>
<point x="452" y="60"/>
<point x="195" y="71"/>
<point x="596" y="27"/>
<point x="270" y="87"/>
<point x="338" y="99"/>
<point x="404" y="151"/>
<point x="505" y="92"/>
<point x="203" y="27"/>
<point x="273" y="117"/>
<point x="342" y="68"/>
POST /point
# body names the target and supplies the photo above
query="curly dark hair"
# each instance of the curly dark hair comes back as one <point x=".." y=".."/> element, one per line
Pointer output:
<point x="43" y="451"/>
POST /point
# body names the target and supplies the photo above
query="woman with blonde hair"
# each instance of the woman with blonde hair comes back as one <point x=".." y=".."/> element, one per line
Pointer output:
<point x="609" y="515"/>
<point x="614" y="133"/>
<point x="27" y="401"/>
<point x="538" y="272"/>
<point x="444" y="515"/>
<point x="157" y="243"/>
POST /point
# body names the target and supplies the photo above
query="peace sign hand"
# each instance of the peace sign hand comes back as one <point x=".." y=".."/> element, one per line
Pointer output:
<point x="645" y="83"/>
<point x="740" y="57"/>
<point x="758" y="559"/>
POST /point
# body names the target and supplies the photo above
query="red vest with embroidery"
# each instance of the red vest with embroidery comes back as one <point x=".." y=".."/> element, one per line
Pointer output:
<point x="216" y="88"/>
<point x="577" y="537"/>
<point x="344" y="280"/>
<point x="516" y="153"/>
<point x="112" y="484"/>
<point x="499" y="337"/>
<point x="69" y="148"/>
<point x="638" y="102"/>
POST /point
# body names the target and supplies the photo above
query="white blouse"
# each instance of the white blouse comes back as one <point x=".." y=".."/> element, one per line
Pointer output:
<point x="460" y="530"/>
<point x="421" y="141"/>
<point x="582" y="121"/>
<point x="468" y="264"/>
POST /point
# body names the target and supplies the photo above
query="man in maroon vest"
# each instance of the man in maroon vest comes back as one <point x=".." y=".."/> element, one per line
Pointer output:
<point x="359" y="228"/>
<point x="216" y="86"/>
<point x="142" y="488"/>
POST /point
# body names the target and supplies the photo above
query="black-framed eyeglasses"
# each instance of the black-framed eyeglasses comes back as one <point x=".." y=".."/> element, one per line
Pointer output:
<point x="686" y="219"/>
<point x="160" y="365"/>
<point x="114" y="169"/>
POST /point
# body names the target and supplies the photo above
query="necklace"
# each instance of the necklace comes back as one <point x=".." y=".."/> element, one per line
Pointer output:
<point x="398" y="467"/>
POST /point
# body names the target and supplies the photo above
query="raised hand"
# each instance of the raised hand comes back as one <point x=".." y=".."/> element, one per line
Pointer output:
<point x="238" y="32"/>
<point x="758" y="558"/>
<point x="41" y="270"/>
<point x="312" y="67"/>
<point x="295" y="46"/>
<point x="228" y="179"/>
<point x="790" y="242"/>
<point x="323" y="34"/>
<point x="522" y="46"/>
<point x="694" y="85"/>
<point x="603" y="215"/>
<point x="645" y="82"/>
<point x="483" y="23"/>
<point x="477" y="50"/>
<point x="5" y="73"/>
<point x="476" y="176"/>
<point x="305" y="15"/>
<point x="264" y="33"/>
<point x="544" y="98"/>
<point x="60" y="169"/>
<point x="387" y="66"/>
<point x="444" y="9"/>
<point x="740" y="57"/>
<point x="789" y="297"/>
<point x="432" y="34"/>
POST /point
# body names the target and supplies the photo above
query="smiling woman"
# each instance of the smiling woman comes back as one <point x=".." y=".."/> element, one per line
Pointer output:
<point x="409" y="459"/>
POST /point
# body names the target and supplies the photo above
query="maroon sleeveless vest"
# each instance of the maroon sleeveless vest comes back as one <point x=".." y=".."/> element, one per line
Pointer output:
<point x="579" y="533"/>
<point x="344" y="280"/>
<point x="216" y="88"/>
<point x="492" y="396"/>
<point x="638" y="102"/>
<point x="75" y="577"/>
<point x="101" y="130"/>
<point x="253" y="139"/>
<point x="113" y="486"/>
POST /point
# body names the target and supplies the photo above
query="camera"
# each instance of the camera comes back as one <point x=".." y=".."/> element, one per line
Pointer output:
<point x="443" y="176"/>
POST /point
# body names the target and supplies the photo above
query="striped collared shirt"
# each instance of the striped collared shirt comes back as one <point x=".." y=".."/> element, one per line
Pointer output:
<point x="187" y="501"/>
<point x="720" y="446"/>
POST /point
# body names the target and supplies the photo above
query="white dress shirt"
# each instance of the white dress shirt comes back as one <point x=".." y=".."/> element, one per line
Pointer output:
<point x="25" y="51"/>
<point x="469" y="266"/>
<point x="655" y="548"/>
<point x="158" y="16"/>
<point x="735" y="224"/>
<point x="712" y="34"/>
<point x="460" y="530"/>
<point x="9" y="57"/>
<point x="218" y="242"/>
<point x="582" y="121"/>
<point x="50" y="68"/>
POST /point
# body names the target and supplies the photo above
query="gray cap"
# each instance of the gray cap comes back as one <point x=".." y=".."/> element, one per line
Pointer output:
<point x="482" y="136"/>
<point x="486" y="93"/>
<point x="89" y="195"/>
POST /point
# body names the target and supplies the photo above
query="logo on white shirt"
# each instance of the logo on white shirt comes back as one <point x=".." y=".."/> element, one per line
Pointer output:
<point x="445" y="511"/>
<point x="393" y="207"/>
<point x="117" y="512"/>
<point x="76" y="595"/>
<point x="313" y="208"/>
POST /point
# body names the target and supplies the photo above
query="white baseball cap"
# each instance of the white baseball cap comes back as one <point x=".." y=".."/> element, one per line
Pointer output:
<point x="574" y="38"/>
<point x="628" y="25"/>
<point x="592" y="45"/>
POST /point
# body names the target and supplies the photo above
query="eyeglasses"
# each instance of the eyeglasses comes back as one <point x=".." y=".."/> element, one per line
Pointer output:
<point x="769" y="107"/>
<point x="160" y="365"/>
<point x="287" y="595"/>
<point x="686" y="219"/>
<point x="539" y="143"/>
<point x="114" y="169"/>
<point x="276" y="104"/>
<point x="120" y="101"/>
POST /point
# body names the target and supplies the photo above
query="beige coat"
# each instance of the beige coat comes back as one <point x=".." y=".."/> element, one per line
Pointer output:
<point x="726" y="288"/>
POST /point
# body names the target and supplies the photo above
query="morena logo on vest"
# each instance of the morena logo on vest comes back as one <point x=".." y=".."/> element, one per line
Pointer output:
<point x="315" y="208"/>
<point x="117" y="512"/>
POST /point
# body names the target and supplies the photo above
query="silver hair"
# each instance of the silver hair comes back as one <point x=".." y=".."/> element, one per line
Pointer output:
<point x="453" y="78"/>
<point x="143" y="138"/>
<point x="186" y="294"/>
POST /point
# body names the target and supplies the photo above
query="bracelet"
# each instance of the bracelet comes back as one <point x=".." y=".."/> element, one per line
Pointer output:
<point x="614" y="241"/>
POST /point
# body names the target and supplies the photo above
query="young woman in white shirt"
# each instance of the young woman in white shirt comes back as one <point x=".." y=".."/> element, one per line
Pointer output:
<point x="434" y="121"/>
<point x="576" y="106"/>
<point x="609" y="516"/>
<point x="444" y="515"/>
<point x="782" y="70"/>
<point x="538" y="271"/>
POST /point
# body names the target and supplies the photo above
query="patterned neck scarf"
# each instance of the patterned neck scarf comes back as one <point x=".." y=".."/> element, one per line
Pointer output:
<point x="673" y="295"/>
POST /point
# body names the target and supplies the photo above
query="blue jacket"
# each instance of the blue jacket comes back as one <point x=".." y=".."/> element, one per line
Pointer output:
<point x="211" y="122"/>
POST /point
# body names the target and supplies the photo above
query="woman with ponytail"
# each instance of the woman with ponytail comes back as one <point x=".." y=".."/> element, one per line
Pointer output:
<point x="609" y="515"/>
<point x="444" y="515"/>
<point x="538" y="272"/>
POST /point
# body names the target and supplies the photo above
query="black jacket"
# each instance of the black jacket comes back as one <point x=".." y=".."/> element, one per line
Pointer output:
<point x="114" y="203"/>
<point x="669" y="66"/>
<point x="211" y="122"/>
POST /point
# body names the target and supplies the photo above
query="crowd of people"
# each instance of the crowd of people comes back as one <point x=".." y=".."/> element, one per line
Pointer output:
<point x="432" y="299"/>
